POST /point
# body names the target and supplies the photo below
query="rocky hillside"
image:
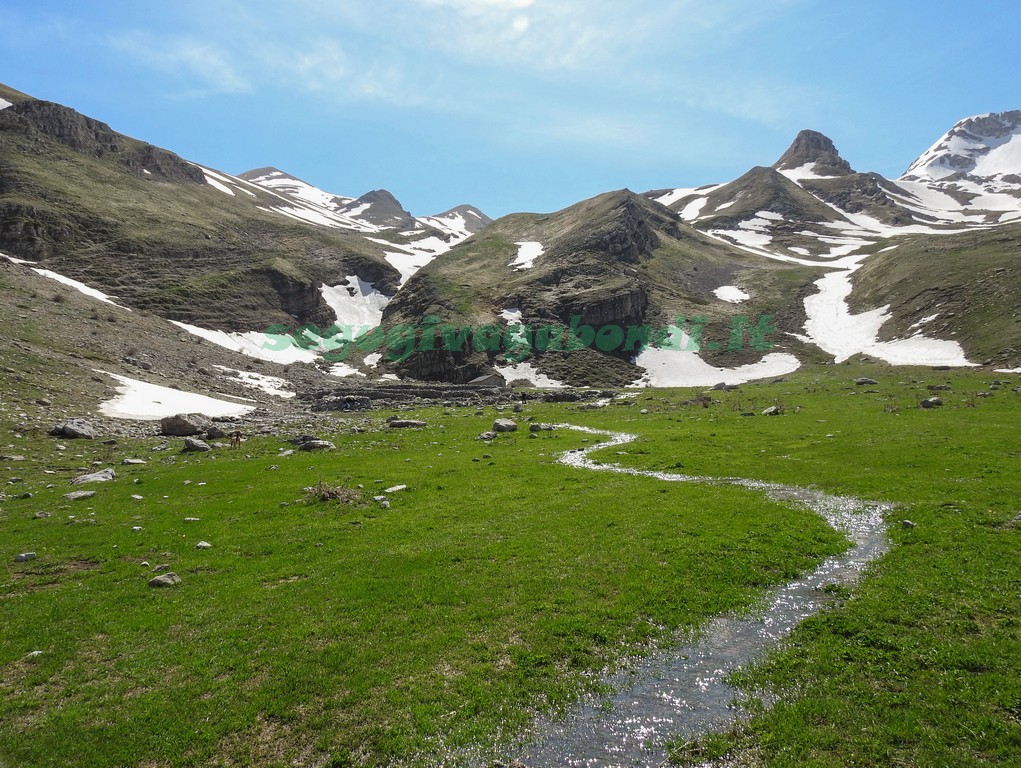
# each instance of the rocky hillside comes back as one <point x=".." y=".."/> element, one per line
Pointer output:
<point x="161" y="233"/>
<point x="618" y="261"/>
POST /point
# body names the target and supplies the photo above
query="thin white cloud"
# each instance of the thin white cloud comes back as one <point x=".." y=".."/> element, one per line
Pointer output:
<point x="201" y="64"/>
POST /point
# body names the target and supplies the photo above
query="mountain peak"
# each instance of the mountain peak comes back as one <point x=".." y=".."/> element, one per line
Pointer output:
<point x="815" y="153"/>
<point x="984" y="146"/>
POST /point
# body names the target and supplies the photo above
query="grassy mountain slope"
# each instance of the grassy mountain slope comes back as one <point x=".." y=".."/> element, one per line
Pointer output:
<point x="965" y="287"/>
<point x="143" y="224"/>
<point x="618" y="259"/>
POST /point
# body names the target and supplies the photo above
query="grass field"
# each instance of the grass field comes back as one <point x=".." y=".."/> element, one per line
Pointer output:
<point x="499" y="581"/>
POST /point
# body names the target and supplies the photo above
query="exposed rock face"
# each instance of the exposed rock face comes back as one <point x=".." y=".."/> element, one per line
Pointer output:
<point x="94" y="138"/>
<point x="863" y="192"/>
<point x="70" y="128"/>
<point x="813" y="148"/>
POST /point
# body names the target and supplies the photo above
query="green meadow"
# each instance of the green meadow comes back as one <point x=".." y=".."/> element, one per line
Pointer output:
<point x="499" y="584"/>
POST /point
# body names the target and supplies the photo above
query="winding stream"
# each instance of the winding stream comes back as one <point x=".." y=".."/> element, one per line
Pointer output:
<point x="680" y="691"/>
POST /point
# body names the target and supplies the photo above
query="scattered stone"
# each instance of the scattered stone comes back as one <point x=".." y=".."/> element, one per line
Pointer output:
<point x="504" y="425"/>
<point x="384" y="504"/>
<point x="136" y="497"/>
<point x="136" y="528"/>
<point x="44" y="402"/>
<point x="487" y="436"/>
<point x="907" y="524"/>
<point x="103" y="476"/>
<point x="40" y="515"/>
<point x="166" y="580"/>
<point x="537" y="427"/>
<point x="719" y="387"/>
<point x="939" y="388"/>
<point x="133" y="462"/>
<point x="203" y="545"/>
<point x="25" y="557"/>
<point x="75" y="429"/>
<point x="215" y="433"/>
<point x="184" y="425"/>
<point x="772" y="410"/>
<point x="289" y="452"/>
<point x="644" y="411"/>
<point x="406" y="424"/>
<point x="748" y="413"/>
<point x="79" y="495"/>
<point x="396" y="489"/>
<point x="518" y="408"/>
<point x="192" y="519"/>
<point x="317" y="445"/>
<point x="34" y="655"/>
<point x="160" y="447"/>
<point x="864" y="381"/>
<point x="12" y="458"/>
<point x="487" y="455"/>
<point x="161" y="568"/>
<point x="932" y="402"/>
<point x="194" y="445"/>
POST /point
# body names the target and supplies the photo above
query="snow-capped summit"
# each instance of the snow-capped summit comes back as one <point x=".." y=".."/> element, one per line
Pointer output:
<point x="986" y="147"/>
<point x="462" y="221"/>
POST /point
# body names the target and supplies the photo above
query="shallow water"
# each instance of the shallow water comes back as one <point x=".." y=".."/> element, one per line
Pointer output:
<point x="680" y="691"/>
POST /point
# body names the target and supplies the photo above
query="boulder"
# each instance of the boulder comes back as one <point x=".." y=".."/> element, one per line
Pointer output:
<point x="772" y="410"/>
<point x="504" y="425"/>
<point x="103" y="476"/>
<point x="487" y="436"/>
<point x="317" y="445"/>
<point x="184" y="425"/>
<point x="406" y="424"/>
<point x="75" y="429"/>
<point x="24" y="557"/>
<point x="165" y="580"/>
<point x="864" y="381"/>
<point x="194" y="445"/>
<point x="79" y="495"/>
<point x="932" y="402"/>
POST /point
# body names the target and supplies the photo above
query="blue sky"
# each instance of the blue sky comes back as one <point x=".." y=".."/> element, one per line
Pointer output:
<point x="517" y="105"/>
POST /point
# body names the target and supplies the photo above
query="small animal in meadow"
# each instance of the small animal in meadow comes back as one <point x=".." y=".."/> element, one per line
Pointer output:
<point x="235" y="439"/>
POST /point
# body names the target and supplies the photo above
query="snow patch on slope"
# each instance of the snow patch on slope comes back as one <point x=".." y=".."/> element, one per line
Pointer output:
<point x="148" y="402"/>
<point x="275" y="348"/>
<point x="92" y="293"/>
<point x="528" y="252"/>
<point x="684" y="368"/>
<point x="731" y="293"/>
<point x="357" y="304"/>
<point x="833" y="328"/>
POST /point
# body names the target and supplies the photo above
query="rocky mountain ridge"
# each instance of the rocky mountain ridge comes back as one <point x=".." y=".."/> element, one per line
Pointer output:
<point x="780" y="249"/>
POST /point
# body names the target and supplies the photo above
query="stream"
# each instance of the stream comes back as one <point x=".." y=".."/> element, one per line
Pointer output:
<point x="680" y="691"/>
